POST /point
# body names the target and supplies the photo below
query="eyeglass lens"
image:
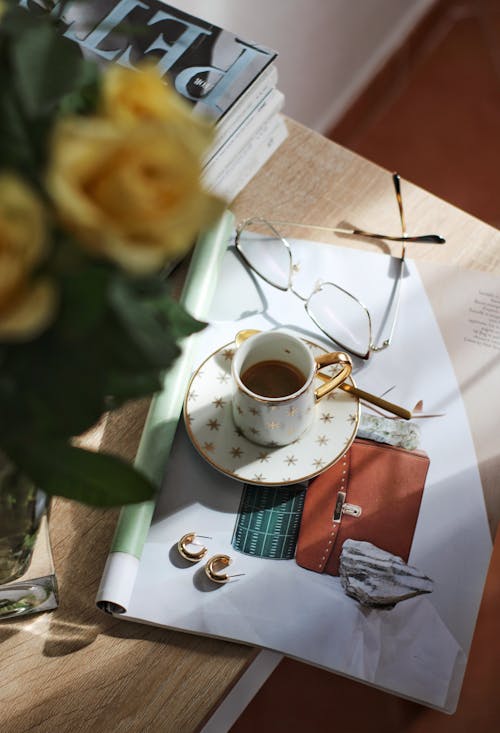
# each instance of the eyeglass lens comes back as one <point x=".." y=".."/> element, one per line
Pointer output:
<point x="341" y="317"/>
<point x="336" y="312"/>
<point x="266" y="254"/>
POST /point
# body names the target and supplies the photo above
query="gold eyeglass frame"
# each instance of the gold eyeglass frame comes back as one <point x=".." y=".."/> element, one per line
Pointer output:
<point x="404" y="238"/>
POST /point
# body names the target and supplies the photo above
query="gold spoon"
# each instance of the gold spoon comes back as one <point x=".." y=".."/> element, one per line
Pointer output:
<point x="243" y="335"/>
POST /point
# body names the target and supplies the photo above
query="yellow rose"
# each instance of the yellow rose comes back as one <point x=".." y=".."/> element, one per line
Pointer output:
<point x="27" y="302"/>
<point x="131" y="193"/>
<point x="131" y="96"/>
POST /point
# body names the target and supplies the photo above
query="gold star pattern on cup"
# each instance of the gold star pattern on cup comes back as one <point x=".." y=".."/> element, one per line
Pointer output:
<point x="223" y="378"/>
<point x="213" y="424"/>
<point x="193" y="396"/>
<point x="254" y="411"/>
<point x="218" y="402"/>
<point x="292" y="411"/>
<point x="273" y="425"/>
<point x="352" y="419"/>
<point x="254" y="431"/>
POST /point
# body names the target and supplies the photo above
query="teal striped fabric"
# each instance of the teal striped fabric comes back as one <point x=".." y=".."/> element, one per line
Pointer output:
<point x="268" y="520"/>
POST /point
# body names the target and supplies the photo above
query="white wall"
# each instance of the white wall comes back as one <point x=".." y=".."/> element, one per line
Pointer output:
<point x="328" y="49"/>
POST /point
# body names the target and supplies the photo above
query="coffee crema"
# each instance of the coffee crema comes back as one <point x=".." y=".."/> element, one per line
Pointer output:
<point x="273" y="378"/>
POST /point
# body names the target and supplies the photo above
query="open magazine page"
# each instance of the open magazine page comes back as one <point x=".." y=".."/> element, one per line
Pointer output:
<point x="467" y="303"/>
<point x="417" y="648"/>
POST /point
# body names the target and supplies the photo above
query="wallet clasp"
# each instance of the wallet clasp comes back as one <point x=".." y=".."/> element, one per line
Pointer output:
<point x="344" y="507"/>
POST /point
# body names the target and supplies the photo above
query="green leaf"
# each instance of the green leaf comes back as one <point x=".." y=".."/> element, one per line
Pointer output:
<point x="127" y="386"/>
<point x="46" y="66"/>
<point x="146" y="324"/>
<point x="151" y="317"/>
<point x="60" y="386"/>
<point x="16" y="145"/>
<point x="182" y="323"/>
<point x="84" y="98"/>
<point x="16" y="19"/>
<point x="91" y="478"/>
<point x="84" y="298"/>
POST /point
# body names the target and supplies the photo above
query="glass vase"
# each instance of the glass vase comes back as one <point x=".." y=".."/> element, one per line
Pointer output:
<point x="21" y="508"/>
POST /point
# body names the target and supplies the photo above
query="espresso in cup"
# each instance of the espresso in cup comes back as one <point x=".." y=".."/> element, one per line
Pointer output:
<point x="273" y="386"/>
<point x="273" y="378"/>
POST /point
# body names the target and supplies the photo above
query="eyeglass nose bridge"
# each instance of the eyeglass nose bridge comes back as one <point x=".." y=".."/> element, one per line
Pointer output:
<point x="330" y="359"/>
<point x="303" y="298"/>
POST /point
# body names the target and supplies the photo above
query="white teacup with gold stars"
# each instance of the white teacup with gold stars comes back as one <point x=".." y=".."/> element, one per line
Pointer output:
<point x="274" y="395"/>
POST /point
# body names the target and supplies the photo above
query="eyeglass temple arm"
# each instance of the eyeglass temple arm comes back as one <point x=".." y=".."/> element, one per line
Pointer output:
<point x="396" y="298"/>
<point x="397" y="187"/>
<point x="421" y="238"/>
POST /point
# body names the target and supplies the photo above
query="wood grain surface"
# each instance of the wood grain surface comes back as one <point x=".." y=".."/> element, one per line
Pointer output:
<point x="76" y="669"/>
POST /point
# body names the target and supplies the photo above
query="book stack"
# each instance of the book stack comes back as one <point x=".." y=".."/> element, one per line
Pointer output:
<point x="230" y="80"/>
<point x="246" y="137"/>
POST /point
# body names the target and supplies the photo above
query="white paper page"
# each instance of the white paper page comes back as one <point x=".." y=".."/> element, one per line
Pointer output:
<point x="417" y="648"/>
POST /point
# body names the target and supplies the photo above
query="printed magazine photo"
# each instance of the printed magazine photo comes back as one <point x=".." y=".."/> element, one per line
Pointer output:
<point x="358" y="567"/>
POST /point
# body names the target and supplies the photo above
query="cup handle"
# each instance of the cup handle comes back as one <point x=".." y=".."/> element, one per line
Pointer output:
<point x="334" y="357"/>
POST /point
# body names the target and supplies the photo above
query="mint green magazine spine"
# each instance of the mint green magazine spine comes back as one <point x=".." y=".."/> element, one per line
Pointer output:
<point x="163" y="416"/>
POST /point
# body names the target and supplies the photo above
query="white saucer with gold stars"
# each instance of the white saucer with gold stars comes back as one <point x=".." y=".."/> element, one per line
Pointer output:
<point x="209" y="423"/>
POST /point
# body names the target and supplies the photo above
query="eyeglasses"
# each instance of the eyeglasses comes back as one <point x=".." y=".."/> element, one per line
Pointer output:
<point x="339" y="314"/>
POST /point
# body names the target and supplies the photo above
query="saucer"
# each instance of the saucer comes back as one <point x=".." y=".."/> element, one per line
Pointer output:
<point x="209" y="423"/>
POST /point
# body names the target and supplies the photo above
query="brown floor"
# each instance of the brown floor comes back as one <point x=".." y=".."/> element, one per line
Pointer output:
<point x="433" y="114"/>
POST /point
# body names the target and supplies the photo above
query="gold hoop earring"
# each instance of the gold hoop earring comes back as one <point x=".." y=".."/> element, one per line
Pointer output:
<point x="189" y="539"/>
<point x="215" y="565"/>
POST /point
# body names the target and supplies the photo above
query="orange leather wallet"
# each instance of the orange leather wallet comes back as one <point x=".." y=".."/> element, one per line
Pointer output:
<point x="373" y="494"/>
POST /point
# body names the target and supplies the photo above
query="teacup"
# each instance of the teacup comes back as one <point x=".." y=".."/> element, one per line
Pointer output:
<point x="273" y="386"/>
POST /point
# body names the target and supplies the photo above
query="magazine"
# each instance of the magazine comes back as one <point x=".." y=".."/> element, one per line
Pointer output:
<point x="265" y="112"/>
<point x="210" y="67"/>
<point x="227" y="174"/>
<point x="250" y="158"/>
<point x="417" y="647"/>
<point x="225" y="78"/>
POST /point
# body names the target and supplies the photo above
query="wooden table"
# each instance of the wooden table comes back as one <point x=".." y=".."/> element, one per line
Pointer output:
<point x="77" y="669"/>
